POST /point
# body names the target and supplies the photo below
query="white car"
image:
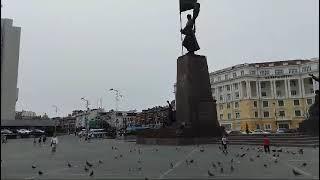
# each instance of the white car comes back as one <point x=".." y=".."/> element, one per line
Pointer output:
<point x="259" y="131"/>
<point x="23" y="131"/>
<point x="6" y="131"/>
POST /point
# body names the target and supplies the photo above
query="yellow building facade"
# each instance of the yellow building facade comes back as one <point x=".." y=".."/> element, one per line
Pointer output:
<point x="265" y="96"/>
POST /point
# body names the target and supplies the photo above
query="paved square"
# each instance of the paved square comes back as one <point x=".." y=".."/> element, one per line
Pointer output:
<point x="153" y="162"/>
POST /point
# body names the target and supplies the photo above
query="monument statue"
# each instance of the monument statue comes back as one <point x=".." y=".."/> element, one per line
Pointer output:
<point x="311" y="124"/>
<point x="190" y="40"/>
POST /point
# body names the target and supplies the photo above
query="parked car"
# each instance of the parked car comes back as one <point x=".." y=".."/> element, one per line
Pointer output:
<point x="97" y="133"/>
<point x="259" y="131"/>
<point x="244" y="132"/>
<point x="37" y="132"/>
<point x="234" y="132"/>
<point x="23" y="131"/>
<point x="6" y="132"/>
<point x="282" y="130"/>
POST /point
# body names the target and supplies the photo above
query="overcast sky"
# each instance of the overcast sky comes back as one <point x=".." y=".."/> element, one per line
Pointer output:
<point x="81" y="48"/>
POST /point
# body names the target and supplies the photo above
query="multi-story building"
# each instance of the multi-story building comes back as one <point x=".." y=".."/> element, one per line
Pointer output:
<point x="10" y="45"/>
<point x="266" y="95"/>
<point x="121" y="119"/>
<point x="88" y="117"/>
<point x="26" y="115"/>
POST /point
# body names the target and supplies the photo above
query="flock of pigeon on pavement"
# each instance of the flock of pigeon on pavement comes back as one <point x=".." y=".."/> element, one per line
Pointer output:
<point x="216" y="167"/>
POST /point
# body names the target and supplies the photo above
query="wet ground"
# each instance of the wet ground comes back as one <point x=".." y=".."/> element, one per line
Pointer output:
<point x="127" y="160"/>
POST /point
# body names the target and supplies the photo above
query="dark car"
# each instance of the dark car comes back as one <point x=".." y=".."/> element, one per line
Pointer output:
<point x="234" y="133"/>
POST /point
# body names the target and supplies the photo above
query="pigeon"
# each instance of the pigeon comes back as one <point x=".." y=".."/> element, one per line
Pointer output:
<point x="273" y="150"/>
<point x="191" y="161"/>
<point x="293" y="153"/>
<point x="265" y="165"/>
<point x="278" y="155"/>
<point x="139" y="161"/>
<point x="112" y="147"/>
<point x="121" y="155"/>
<point x="171" y="165"/>
<point x="258" y="155"/>
<point x="40" y="172"/>
<point x="248" y="149"/>
<point x="116" y="157"/>
<point x="219" y="163"/>
<point x="69" y="165"/>
<point x="300" y="151"/>
<point x="210" y="173"/>
<point x="88" y="164"/>
<point x="274" y="155"/>
<point x="221" y="169"/>
<point x="251" y="159"/>
<point x="304" y="164"/>
<point x="201" y="150"/>
<point x="241" y="148"/>
<point x="213" y="165"/>
<point x="85" y="168"/>
<point x="146" y="178"/>
<point x="130" y="150"/>
<point x="231" y="160"/>
<point x="100" y="162"/>
<point x="242" y="155"/>
<point x="33" y="166"/>
<point x="296" y="173"/>
<point x="140" y="168"/>
<point x="276" y="160"/>
<point x="91" y="173"/>
<point x="231" y="168"/>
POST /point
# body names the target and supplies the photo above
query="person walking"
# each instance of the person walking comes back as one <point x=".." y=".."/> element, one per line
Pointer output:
<point x="44" y="138"/>
<point x="54" y="142"/>
<point x="34" y="141"/>
<point x="224" y="144"/>
<point x="39" y="141"/>
<point x="266" y="144"/>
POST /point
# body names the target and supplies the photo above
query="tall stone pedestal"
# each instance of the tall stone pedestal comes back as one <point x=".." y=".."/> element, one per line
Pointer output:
<point x="195" y="106"/>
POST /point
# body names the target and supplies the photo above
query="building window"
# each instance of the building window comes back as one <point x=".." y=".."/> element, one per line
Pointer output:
<point x="263" y="84"/>
<point x="278" y="71"/>
<point x="282" y="114"/>
<point x="296" y="102"/>
<point x="237" y="115"/>
<point x="235" y="86"/>
<point x="310" y="80"/>
<point x="263" y="94"/>
<point x="236" y="104"/>
<point x="279" y="93"/>
<point x="278" y="84"/>
<point x="229" y="97"/>
<point x="228" y="105"/>
<point x="297" y="113"/>
<point x="219" y="78"/>
<point x="252" y="72"/>
<point x="255" y="114"/>
<point x="306" y="69"/>
<point x="293" y="71"/>
<point x="265" y="103"/>
<point x="280" y="103"/>
<point x="284" y="126"/>
<point x="229" y="116"/>
<point x="242" y="73"/>
<point x="293" y="83"/>
<point x="266" y="114"/>
<point x="228" y="87"/>
<point x="293" y="92"/>
<point x="221" y="116"/>
<point x="221" y="98"/>
<point x="226" y="77"/>
<point x="221" y="107"/>
<point x="220" y="89"/>
<point x="213" y="90"/>
<point x="237" y="95"/>
<point x="264" y="72"/>
<point x="267" y="126"/>
<point x="234" y="75"/>
<point x="309" y="101"/>
<point x="255" y="103"/>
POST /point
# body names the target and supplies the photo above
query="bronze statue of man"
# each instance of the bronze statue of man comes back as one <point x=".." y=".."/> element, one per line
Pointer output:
<point x="190" y="40"/>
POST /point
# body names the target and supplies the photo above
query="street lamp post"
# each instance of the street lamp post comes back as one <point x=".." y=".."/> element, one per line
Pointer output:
<point x="55" y="123"/>
<point x="86" y="116"/>
<point x="118" y="95"/>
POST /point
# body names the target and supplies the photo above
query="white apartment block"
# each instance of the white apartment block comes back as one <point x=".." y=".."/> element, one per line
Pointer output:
<point x="10" y="45"/>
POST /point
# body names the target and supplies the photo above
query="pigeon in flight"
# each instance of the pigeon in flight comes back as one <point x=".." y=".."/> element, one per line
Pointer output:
<point x="100" y="162"/>
<point x="33" y="166"/>
<point x="69" y="165"/>
<point x="242" y="155"/>
<point x="304" y="164"/>
<point x="214" y="165"/>
<point x="91" y="173"/>
<point x="40" y="172"/>
<point x="85" y="168"/>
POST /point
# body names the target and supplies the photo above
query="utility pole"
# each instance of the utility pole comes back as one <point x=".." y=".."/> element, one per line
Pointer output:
<point x="86" y="116"/>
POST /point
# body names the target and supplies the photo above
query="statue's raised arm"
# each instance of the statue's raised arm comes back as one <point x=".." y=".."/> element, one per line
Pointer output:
<point x="314" y="77"/>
